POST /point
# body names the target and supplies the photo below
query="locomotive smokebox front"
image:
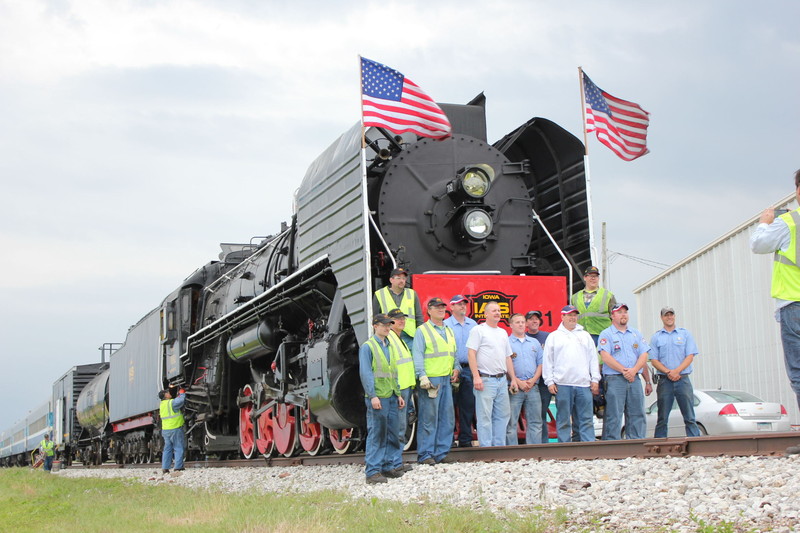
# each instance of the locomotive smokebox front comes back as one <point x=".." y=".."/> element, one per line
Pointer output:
<point x="456" y="204"/>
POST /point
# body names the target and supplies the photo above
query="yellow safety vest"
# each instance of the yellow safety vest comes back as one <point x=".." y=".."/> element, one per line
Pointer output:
<point x="594" y="318"/>
<point x="48" y="447"/>
<point x="404" y="361"/>
<point x="406" y="305"/>
<point x="440" y="354"/>
<point x="170" y="419"/>
<point x="785" y="271"/>
<point x="385" y="373"/>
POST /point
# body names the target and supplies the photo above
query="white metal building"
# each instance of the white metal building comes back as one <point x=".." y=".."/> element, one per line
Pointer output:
<point x="721" y="293"/>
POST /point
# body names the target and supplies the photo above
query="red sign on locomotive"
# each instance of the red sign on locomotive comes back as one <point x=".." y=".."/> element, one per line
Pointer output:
<point x="515" y="294"/>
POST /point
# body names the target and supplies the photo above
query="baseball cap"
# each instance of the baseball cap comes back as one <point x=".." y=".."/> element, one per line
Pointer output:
<point x="396" y="313"/>
<point x="591" y="270"/>
<point x="619" y="306"/>
<point x="435" y="302"/>
<point x="665" y="310"/>
<point x="380" y="318"/>
<point x="397" y="271"/>
<point x="567" y="309"/>
<point x="531" y="314"/>
<point x="458" y="298"/>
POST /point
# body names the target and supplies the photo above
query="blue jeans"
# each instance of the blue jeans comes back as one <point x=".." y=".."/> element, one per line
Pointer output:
<point x="533" y="416"/>
<point x="574" y="406"/>
<point x="790" y="338"/>
<point x="544" y="394"/>
<point x="383" y="452"/>
<point x="436" y="421"/>
<point x="493" y="410"/>
<point x="402" y="417"/>
<point x="173" y="445"/>
<point x="668" y="392"/>
<point x="464" y="399"/>
<point x="625" y="397"/>
<point x="48" y="462"/>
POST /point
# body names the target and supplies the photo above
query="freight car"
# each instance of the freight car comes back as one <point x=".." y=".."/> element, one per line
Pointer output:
<point x="265" y="340"/>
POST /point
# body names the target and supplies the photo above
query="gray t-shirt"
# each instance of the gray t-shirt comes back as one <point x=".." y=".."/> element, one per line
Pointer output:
<point x="492" y="347"/>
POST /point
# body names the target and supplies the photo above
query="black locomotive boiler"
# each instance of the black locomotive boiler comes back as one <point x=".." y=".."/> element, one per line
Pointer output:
<point x="265" y="340"/>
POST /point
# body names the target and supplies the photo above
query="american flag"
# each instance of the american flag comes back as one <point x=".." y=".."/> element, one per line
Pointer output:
<point x="620" y="125"/>
<point x="392" y="101"/>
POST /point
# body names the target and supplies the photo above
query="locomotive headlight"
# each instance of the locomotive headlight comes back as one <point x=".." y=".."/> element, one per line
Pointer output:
<point x="477" y="224"/>
<point x="471" y="183"/>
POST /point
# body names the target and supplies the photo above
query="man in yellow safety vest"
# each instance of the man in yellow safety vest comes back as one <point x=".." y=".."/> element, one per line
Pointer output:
<point x="594" y="304"/>
<point x="777" y="233"/>
<point x="172" y="429"/>
<point x="396" y="295"/>
<point x="48" y="448"/>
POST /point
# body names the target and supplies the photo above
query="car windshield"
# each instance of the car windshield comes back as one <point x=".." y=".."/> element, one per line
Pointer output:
<point x="732" y="396"/>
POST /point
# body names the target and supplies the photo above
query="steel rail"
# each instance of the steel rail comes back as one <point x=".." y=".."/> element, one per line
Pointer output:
<point x="759" y="444"/>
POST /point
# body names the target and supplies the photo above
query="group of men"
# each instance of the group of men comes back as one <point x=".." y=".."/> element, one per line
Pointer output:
<point x="491" y="375"/>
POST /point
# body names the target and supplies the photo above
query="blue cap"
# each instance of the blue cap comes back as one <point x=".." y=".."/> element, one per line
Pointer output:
<point x="619" y="306"/>
<point x="567" y="309"/>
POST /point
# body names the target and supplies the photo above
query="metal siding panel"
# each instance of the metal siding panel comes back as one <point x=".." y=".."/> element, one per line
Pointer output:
<point x="722" y="296"/>
<point x="135" y="375"/>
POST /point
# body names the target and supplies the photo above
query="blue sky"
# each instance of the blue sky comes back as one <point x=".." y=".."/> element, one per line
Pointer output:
<point x="136" y="136"/>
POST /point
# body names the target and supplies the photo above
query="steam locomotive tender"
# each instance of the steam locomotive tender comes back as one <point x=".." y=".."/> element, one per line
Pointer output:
<point x="265" y="341"/>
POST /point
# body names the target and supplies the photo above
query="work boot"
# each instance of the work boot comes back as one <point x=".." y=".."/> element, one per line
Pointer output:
<point x="376" y="478"/>
<point x="165" y="471"/>
<point x="428" y="461"/>
<point x="447" y="459"/>
<point x="792" y="450"/>
<point x="397" y="472"/>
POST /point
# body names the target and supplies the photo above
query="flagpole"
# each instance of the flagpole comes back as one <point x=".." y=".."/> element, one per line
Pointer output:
<point x="592" y="249"/>
<point x="365" y="202"/>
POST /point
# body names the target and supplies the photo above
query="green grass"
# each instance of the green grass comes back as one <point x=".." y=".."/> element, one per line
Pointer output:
<point x="37" y="502"/>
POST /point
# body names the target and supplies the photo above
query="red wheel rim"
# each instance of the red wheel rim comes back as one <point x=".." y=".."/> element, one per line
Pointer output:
<point x="340" y="439"/>
<point x="310" y="433"/>
<point x="247" y="437"/>
<point x="283" y="429"/>
<point x="265" y="440"/>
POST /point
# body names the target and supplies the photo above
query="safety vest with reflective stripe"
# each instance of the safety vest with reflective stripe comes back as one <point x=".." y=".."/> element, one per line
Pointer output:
<point x="407" y="305"/>
<point x="785" y="271"/>
<point x="170" y="419"/>
<point x="48" y="447"/>
<point x="440" y="354"/>
<point x="404" y="361"/>
<point x="385" y="373"/>
<point x="592" y="318"/>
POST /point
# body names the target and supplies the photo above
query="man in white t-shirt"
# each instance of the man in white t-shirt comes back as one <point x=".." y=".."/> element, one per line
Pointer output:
<point x="487" y="349"/>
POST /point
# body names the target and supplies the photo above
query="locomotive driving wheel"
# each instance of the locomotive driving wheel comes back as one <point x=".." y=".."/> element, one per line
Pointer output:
<point x="265" y="440"/>
<point x="343" y="440"/>
<point x="284" y="429"/>
<point x="247" y="440"/>
<point x="310" y="433"/>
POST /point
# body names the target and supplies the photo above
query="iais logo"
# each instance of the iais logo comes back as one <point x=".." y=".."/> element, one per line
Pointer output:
<point x="480" y="300"/>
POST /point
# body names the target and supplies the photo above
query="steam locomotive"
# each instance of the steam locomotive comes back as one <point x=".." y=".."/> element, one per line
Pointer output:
<point x="265" y="340"/>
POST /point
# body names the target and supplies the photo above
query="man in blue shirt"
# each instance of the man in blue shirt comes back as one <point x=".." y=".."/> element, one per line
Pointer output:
<point x="378" y="372"/>
<point x="624" y="352"/>
<point x="672" y="351"/>
<point x="525" y="369"/>
<point x="533" y="321"/>
<point x="464" y="397"/>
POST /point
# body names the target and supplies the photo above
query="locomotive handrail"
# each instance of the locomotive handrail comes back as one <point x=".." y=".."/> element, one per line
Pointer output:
<point x="538" y="219"/>
<point x="383" y="241"/>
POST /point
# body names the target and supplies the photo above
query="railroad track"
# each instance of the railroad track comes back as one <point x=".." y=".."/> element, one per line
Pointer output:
<point x="771" y="444"/>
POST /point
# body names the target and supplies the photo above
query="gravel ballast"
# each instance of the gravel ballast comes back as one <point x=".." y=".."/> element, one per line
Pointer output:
<point x="757" y="493"/>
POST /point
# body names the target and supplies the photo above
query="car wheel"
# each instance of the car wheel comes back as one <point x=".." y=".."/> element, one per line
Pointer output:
<point x="702" y="430"/>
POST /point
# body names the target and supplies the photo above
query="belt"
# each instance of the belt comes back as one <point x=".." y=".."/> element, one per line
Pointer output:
<point x="501" y="375"/>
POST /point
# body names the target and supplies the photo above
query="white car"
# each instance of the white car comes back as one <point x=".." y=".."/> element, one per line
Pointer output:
<point x="724" y="412"/>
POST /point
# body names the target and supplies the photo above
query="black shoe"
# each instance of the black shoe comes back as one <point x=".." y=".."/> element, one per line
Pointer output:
<point x="397" y="472"/>
<point x="165" y="470"/>
<point x="428" y="461"/>
<point x="180" y="469"/>
<point x="376" y="478"/>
